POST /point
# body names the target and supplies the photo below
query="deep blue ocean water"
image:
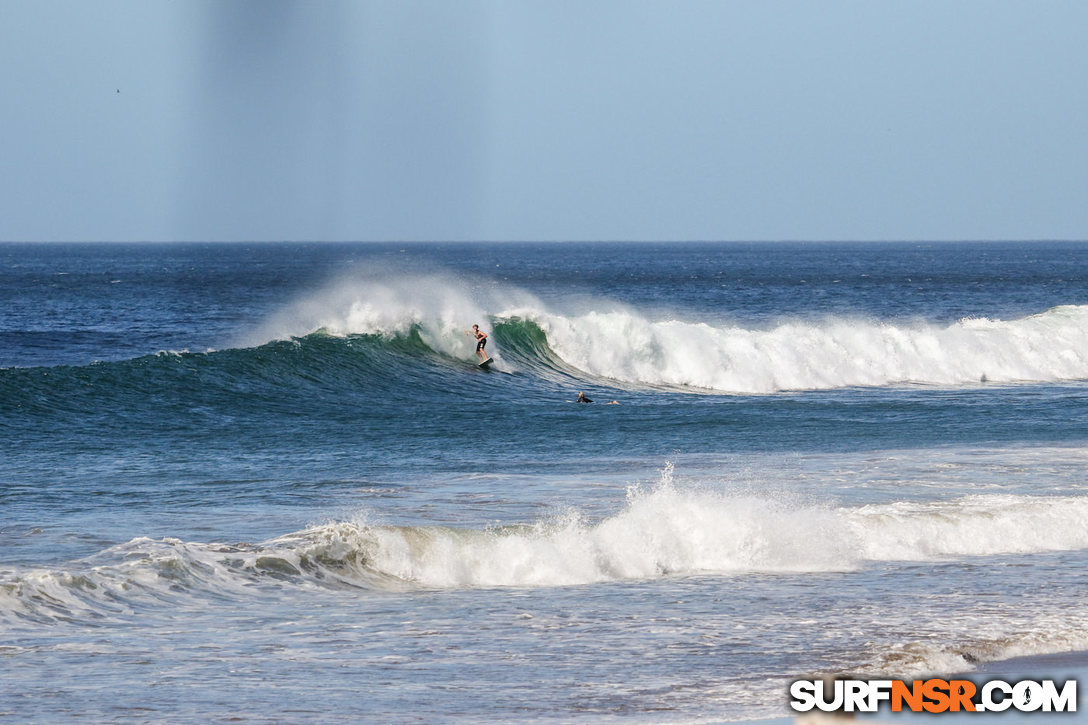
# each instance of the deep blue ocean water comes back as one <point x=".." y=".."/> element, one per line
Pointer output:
<point x="269" y="481"/>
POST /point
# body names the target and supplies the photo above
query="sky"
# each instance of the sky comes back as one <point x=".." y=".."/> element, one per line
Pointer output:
<point x="186" y="120"/>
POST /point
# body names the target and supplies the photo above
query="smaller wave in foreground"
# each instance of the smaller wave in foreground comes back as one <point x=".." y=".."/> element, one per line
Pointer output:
<point x="660" y="532"/>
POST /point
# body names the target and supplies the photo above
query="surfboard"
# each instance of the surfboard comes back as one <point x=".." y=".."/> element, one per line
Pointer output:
<point x="485" y="363"/>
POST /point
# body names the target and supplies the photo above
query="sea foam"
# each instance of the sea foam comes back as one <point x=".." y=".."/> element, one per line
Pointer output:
<point x="833" y="353"/>
<point x="660" y="532"/>
<point x="439" y="307"/>
<point x="608" y="341"/>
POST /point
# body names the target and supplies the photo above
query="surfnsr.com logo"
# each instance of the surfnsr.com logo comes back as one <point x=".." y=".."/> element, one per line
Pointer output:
<point x="934" y="696"/>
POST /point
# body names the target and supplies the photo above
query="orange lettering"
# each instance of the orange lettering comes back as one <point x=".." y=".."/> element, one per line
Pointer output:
<point x="912" y="695"/>
<point x="933" y="695"/>
<point x="961" y="692"/>
<point x="936" y="691"/>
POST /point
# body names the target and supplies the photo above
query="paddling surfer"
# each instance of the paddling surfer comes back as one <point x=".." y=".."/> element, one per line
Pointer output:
<point x="583" y="399"/>
<point x="481" y="341"/>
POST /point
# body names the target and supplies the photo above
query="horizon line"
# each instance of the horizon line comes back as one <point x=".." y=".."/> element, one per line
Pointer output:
<point x="1039" y="240"/>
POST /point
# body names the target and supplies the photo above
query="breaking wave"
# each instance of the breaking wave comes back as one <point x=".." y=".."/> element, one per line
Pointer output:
<point x="659" y="532"/>
<point x="835" y="353"/>
<point x="612" y="342"/>
<point x="406" y="327"/>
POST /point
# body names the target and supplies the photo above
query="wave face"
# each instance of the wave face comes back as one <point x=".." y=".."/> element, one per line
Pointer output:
<point x="615" y="343"/>
<point x="661" y="532"/>
<point x="403" y="326"/>
<point x="329" y="491"/>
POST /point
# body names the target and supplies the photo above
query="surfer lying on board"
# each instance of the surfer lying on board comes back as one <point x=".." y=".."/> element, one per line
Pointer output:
<point x="583" y="399"/>
<point x="481" y="341"/>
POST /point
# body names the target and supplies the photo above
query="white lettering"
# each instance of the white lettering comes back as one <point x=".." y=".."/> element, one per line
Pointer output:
<point x="1064" y="701"/>
<point x="803" y="693"/>
<point x="854" y="696"/>
<point x="879" y="691"/>
<point x="829" y="705"/>
<point x="988" y="701"/>
<point x="1027" y="696"/>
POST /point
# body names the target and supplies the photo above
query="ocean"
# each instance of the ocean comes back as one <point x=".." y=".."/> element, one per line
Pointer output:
<point x="269" y="481"/>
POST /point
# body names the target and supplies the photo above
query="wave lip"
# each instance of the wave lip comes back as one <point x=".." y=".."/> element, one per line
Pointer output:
<point x="664" y="531"/>
<point x="668" y="531"/>
<point x="394" y="313"/>
<point x="836" y="353"/>
<point x="391" y="304"/>
<point x="979" y="525"/>
<point x="660" y="534"/>
<point x="384" y="320"/>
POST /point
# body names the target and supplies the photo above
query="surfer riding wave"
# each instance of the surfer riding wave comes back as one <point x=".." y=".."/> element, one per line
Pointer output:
<point x="481" y="341"/>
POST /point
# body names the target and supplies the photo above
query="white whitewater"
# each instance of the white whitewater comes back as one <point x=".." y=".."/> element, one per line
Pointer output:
<point x="834" y="353"/>
<point x="659" y="532"/>
<point x="616" y="343"/>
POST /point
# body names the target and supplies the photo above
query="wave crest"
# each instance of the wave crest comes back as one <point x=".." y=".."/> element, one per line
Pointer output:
<point x="835" y="353"/>
<point x="664" y="531"/>
<point x="610" y="342"/>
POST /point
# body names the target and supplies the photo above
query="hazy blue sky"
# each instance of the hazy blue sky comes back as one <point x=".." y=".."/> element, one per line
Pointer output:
<point x="408" y="120"/>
